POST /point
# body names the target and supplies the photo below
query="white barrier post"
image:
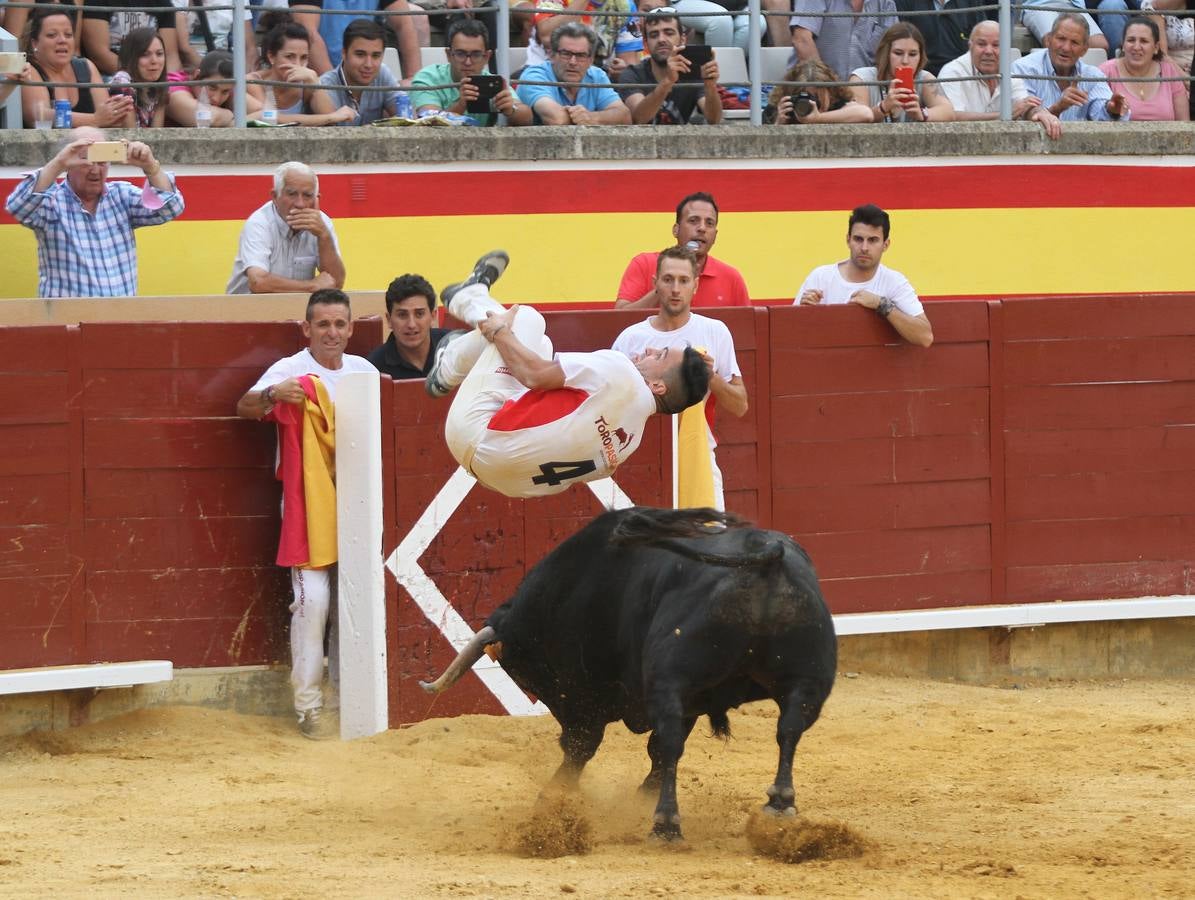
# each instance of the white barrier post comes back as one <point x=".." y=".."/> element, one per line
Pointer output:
<point x="361" y="605"/>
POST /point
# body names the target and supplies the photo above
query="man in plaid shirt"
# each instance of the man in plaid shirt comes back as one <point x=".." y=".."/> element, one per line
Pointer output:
<point x="84" y="224"/>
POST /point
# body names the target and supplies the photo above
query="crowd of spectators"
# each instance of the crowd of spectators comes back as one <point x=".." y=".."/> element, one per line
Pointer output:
<point x="593" y="61"/>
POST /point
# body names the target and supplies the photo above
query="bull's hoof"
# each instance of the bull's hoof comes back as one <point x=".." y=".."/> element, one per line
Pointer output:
<point x="780" y="812"/>
<point x="668" y="833"/>
<point x="781" y="802"/>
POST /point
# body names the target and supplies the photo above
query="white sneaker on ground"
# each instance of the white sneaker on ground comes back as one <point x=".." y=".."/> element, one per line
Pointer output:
<point x="315" y="725"/>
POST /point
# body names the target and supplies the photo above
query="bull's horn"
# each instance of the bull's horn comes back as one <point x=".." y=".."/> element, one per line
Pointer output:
<point x="464" y="661"/>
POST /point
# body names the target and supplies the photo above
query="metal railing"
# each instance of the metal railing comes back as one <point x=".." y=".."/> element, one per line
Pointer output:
<point x="500" y="13"/>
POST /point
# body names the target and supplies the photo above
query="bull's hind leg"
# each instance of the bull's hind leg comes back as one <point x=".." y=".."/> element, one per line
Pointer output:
<point x="668" y="740"/>
<point x="652" y="782"/>
<point x="798" y="711"/>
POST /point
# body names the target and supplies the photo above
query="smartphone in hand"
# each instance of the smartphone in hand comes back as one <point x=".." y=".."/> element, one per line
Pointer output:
<point x="697" y="55"/>
<point x="108" y="151"/>
<point x="488" y="87"/>
<point x="904" y="74"/>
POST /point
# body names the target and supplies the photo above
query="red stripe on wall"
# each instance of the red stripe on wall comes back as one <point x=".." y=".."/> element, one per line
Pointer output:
<point x="216" y="197"/>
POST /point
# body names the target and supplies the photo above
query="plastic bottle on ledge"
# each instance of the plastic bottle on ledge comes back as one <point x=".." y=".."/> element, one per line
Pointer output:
<point x="402" y="106"/>
<point x="269" y="112"/>
<point x="203" y="112"/>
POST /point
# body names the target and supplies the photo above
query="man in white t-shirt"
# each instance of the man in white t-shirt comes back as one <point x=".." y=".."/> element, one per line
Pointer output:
<point x="677" y="326"/>
<point x="328" y="327"/>
<point x="527" y="423"/>
<point x="862" y="279"/>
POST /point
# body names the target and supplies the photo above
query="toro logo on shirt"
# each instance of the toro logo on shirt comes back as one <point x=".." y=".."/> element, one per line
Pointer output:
<point x="609" y="435"/>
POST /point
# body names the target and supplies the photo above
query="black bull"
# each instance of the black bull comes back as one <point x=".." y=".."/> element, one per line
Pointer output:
<point x="657" y="617"/>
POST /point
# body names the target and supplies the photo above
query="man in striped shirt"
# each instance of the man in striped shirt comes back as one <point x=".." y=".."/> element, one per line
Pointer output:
<point x="84" y="223"/>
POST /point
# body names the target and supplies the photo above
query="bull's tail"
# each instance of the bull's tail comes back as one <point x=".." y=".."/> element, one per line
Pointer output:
<point x="668" y="528"/>
<point x="719" y="723"/>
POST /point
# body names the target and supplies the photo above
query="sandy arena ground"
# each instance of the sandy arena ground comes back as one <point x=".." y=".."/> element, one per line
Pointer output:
<point x="1075" y="790"/>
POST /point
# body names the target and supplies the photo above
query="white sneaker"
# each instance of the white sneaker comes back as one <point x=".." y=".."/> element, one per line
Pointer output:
<point x="314" y="725"/>
<point x="437" y="384"/>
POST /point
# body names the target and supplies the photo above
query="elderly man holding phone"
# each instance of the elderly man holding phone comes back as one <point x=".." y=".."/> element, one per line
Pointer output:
<point x="84" y="223"/>
<point x="685" y="77"/>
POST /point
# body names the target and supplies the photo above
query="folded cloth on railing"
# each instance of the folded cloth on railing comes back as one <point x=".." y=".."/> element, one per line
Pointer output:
<point x="307" y="470"/>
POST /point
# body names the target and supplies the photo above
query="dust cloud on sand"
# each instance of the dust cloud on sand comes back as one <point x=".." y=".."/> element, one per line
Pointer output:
<point x="905" y="788"/>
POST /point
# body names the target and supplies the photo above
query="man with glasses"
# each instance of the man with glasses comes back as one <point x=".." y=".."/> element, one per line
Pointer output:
<point x="468" y="54"/>
<point x="587" y="97"/>
<point x="669" y="103"/>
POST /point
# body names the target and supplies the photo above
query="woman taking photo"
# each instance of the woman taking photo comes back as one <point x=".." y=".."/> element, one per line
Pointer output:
<point x="284" y="51"/>
<point x="902" y="48"/>
<point x="810" y="103"/>
<point x="142" y="57"/>
<point x="1150" y="101"/>
<point x="50" y="49"/>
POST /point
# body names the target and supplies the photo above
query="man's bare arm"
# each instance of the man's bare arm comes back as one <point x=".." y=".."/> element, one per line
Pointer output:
<point x="529" y="369"/>
<point x="732" y="395"/>
<point x="647" y="301"/>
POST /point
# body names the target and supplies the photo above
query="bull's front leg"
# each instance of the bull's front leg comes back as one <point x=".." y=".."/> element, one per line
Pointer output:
<point x="579" y="741"/>
<point x="652" y="782"/>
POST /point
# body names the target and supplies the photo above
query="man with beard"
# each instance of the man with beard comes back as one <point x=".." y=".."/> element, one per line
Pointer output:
<point x="976" y="101"/>
<point x="862" y="279"/>
<point x="588" y="100"/>
<point x="84" y="224"/>
<point x="407" y="353"/>
<point x="468" y="54"/>
<point x="675" y="325"/>
<point x="669" y="103"/>
<point x="361" y="66"/>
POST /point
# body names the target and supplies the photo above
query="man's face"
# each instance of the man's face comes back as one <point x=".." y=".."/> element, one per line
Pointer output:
<point x="657" y="365"/>
<point x="675" y="286"/>
<point x="362" y="60"/>
<point x="87" y="181"/>
<point x="867" y="245"/>
<point x="985" y="50"/>
<point x="328" y="330"/>
<point x="411" y="322"/>
<point x="1066" y="44"/>
<point x="298" y="192"/>
<point x="662" y="38"/>
<point x="467" y="56"/>
<point x="698" y="222"/>
<point x="572" y="60"/>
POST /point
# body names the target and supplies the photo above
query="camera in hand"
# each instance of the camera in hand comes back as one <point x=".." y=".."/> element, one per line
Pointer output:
<point x="804" y="104"/>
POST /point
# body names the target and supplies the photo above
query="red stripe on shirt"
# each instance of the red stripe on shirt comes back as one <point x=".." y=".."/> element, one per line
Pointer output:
<point x="537" y="408"/>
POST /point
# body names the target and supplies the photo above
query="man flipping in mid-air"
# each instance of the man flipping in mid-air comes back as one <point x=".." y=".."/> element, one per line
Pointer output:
<point x="525" y="423"/>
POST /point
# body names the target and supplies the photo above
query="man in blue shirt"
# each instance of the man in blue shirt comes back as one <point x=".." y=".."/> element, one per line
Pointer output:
<point x="572" y="48"/>
<point x="361" y="66"/>
<point x="1083" y="94"/>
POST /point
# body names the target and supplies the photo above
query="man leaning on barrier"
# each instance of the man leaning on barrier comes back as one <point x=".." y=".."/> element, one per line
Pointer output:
<point x="979" y="100"/>
<point x="361" y="66"/>
<point x="588" y="98"/>
<point x="468" y="52"/>
<point x="678" y="91"/>
<point x="288" y="244"/>
<point x="1083" y="92"/>
<point x="84" y="223"/>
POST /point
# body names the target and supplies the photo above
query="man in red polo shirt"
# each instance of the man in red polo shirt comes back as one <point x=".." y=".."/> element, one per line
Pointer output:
<point x="718" y="284"/>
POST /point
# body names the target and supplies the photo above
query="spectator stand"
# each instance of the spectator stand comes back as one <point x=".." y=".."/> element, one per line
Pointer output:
<point x="10" y="109"/>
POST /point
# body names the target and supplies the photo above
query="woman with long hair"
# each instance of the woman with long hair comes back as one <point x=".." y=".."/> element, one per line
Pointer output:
<point x="184" y="99"/>
<point x="284" y="53"/>
<point x="50" y="47"/>
<point x="901" y="47"/>
<point x="1150" y="101"/>
<point x="142" y="57"/>
<point x="811" y="103"/>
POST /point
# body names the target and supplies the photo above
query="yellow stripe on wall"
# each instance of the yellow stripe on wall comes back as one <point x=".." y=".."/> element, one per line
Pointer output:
<point x="575" y="258"/>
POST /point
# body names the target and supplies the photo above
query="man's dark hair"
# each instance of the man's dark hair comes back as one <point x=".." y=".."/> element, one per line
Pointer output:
<point x="675" y="252"/>
<point x="363" y="28"/>
<point x="409" y="285"/>
<point x="469" y="28"/>
<point x="700" y="196"/>
<point x="661" y="14"/>
<point x="686" y="384"/>
<point x="869" y="214"/>
<point x="331" y="297"/>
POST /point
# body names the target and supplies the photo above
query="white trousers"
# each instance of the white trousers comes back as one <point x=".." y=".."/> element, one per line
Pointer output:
<point x="313" y="607"/>
<point x="487" y="384"/>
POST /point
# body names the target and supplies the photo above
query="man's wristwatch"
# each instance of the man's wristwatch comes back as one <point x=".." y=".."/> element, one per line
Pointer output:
<point x="268" y="399"/>
<point x="885" y="308"/>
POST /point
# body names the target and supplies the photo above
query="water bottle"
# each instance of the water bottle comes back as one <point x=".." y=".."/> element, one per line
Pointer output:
<point x="269" y="112"/>
<point x="62" y="114"/>
<point x="402" y="106"/>
<point x="203" y="112"/>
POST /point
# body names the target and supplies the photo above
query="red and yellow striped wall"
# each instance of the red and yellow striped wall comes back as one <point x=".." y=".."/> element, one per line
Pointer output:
<point x="961" y="228"/>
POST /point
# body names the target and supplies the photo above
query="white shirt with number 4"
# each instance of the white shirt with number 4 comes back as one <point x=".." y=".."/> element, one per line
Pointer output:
<point x="885" y="283"/>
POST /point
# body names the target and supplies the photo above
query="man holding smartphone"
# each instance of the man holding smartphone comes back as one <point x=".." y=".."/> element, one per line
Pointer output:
<point x="84" y="223"/>
<point x="480" y="94"/>
<point x="670" y="67"/>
